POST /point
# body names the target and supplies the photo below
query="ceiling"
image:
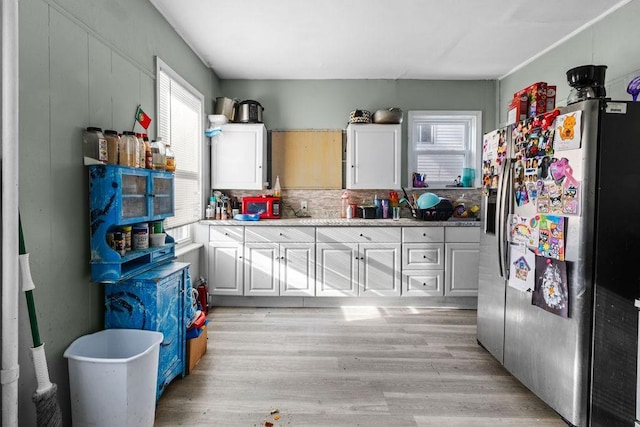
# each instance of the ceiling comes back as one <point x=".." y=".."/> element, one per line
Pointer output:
<point x="376" y="39"/>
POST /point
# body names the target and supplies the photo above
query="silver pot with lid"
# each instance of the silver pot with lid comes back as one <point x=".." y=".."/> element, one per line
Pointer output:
<point x="226" y="107"/>
<point x="249" y="111"/>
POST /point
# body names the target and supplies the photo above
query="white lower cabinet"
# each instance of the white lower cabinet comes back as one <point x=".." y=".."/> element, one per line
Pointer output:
<point x="462" y="261"/>
<point x="225" y="260"/>
<point x="358" y="261"/>
<point x="279" y="262"/>
<point x="343" y="261"/>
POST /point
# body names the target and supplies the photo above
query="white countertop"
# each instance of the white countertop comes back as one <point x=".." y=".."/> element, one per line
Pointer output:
<point x="341" y="222"/>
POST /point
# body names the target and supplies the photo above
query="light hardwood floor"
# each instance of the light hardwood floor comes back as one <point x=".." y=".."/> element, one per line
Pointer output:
<point x="355" y="366"/>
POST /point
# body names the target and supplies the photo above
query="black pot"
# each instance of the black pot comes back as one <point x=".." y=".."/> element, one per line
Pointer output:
<point x="249" y="111"/>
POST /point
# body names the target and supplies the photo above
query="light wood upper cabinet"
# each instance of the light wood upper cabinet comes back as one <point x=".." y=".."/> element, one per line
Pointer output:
<point x="307" y="159"/>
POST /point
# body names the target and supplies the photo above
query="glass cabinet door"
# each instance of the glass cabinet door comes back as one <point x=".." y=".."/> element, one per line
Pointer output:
<point x="162" y="194"/>
<point x="134" y="195"/>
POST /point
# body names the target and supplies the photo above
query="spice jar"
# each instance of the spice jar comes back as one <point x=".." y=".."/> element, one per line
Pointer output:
<point x="94" y="146"/>
<point x="113" y="146"/>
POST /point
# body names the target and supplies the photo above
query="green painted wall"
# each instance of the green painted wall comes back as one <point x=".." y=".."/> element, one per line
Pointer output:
<point x="326" y="104"/>
<point x="613" y="41"/>
<point x="82" y="63"/>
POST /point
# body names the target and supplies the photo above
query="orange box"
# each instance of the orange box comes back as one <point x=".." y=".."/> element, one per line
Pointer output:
<point x="196" y="348"/>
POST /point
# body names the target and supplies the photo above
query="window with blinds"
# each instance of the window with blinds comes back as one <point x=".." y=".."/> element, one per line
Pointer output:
<point x="441" y="144"/>
<point x="180" y="123"/>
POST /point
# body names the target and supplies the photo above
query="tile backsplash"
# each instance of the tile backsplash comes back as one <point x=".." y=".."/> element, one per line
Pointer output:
<point x="327" y="203"/>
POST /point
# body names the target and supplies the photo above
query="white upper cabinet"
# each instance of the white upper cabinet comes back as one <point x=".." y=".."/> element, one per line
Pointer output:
<point x="239" y="157"/>
<point x="373" y="156"/>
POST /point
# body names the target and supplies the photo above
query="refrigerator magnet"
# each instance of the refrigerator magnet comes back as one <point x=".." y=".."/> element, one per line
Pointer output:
<point x="522" y="269"/>
<point x="551" y="236"/>
<point x="551" y="291"/>
<point x="567" y="135"/>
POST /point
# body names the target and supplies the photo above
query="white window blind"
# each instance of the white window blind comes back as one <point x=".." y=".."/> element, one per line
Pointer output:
<point x="180" y="122"/>
<point x="441" y="144"/>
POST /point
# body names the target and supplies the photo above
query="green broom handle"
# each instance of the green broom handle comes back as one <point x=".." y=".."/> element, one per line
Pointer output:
<point x="31" y="306"/>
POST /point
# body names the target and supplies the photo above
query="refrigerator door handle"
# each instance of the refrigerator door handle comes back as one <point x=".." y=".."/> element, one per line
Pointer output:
<point x="501" y="225"/>
<point x="507" y="199"/>
<point x="498" y="219"/>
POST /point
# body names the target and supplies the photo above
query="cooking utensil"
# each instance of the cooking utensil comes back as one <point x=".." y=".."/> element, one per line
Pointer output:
<point x="249" y="111"/>
<point x="388" y="116"/>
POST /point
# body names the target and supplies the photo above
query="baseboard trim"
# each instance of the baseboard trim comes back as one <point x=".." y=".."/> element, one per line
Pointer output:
<point x="469" y="303"/>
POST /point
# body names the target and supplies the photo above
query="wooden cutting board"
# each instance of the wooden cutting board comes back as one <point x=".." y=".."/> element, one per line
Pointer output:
<point x="307" y="159"/>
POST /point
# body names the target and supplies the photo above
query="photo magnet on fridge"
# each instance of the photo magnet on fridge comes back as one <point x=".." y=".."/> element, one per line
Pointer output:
<point x="551" y="292"/>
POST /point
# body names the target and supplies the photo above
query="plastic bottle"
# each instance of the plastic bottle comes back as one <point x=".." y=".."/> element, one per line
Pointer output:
<point x="113" y="146"/>
<point x="276" y="188"/>
<point x="345" y="202"/>
<point x="159" y="153"/>
<point x="126" y="150"/>
<point x="148" y="156"/>
<point x="170" y="157"/>
<point x="141" y="151"/>
<point x="349" y="212"/>
<point x="133" y="149"/>
<point x="94" y="146"/>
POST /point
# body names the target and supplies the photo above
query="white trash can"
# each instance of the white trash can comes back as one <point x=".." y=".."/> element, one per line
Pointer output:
<point x="112" y="377"/>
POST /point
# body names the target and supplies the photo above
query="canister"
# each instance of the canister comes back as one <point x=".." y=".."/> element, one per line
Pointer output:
<point x="126" y="230"/>
<point x="141" y="236"/>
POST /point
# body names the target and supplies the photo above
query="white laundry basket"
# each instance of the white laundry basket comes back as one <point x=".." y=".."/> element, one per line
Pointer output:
<point x="112" y="377"/>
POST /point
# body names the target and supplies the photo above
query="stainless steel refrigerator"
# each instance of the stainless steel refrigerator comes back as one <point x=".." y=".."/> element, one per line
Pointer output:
<point x="583" y="365"/>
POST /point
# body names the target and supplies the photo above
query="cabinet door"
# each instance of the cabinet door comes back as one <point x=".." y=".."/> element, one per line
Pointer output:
<point x="337" y="269"/>
<point x="170" y="313"/>
<point x="238" y="157"/>
<point x="373" y="156"/>
<point x="379" y="269"/>
<point x="135" y="190"/>
<point x="225" y="268"/>
<point x="297" y="269"/>
<point x="162" y="191"/>
<point x="462" y="269"/>
<point x="261" y="269"/>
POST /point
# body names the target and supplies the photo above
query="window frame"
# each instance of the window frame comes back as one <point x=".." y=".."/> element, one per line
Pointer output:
<point x="182" y="232"/>
<point x="471" y="150"/>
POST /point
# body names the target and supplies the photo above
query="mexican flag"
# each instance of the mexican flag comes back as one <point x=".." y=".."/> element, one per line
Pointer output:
<point x="142" y="118"/>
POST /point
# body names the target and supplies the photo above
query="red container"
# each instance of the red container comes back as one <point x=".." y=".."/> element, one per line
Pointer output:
<point x="203" y="298"/>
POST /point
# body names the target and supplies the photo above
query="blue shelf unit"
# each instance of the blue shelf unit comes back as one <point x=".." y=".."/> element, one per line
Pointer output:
<point x="155" y="300"/>
<point x="120" y="196"/>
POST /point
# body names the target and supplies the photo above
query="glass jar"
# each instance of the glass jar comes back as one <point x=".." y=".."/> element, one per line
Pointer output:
<point x="94" y="146"/>
<point x="141" y="151"/>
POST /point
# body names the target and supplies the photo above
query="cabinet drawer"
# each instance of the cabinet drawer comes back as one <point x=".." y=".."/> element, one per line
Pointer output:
<point x="423" y="256"/>
<point x="463" y="234"/>
<point x="280" y="234"/>
<point x="422" y="234"/>
<point x="358" y="234"/>
<point x="423" y="283"/>
<point x="226" y="234"/>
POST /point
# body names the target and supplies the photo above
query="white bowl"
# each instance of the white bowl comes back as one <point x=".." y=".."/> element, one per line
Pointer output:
<point x="157" y="239"/>
<point x="218" y="119"/>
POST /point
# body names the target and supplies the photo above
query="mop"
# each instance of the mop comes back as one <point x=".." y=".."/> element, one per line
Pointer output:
<point x="45" y="397"/>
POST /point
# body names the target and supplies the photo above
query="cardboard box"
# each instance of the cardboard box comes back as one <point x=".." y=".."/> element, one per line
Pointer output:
<point x="551" y="98"/>
<point x="537" y="98"/>
<point x="196" y="348"/>
<point x="518" y="107"/>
